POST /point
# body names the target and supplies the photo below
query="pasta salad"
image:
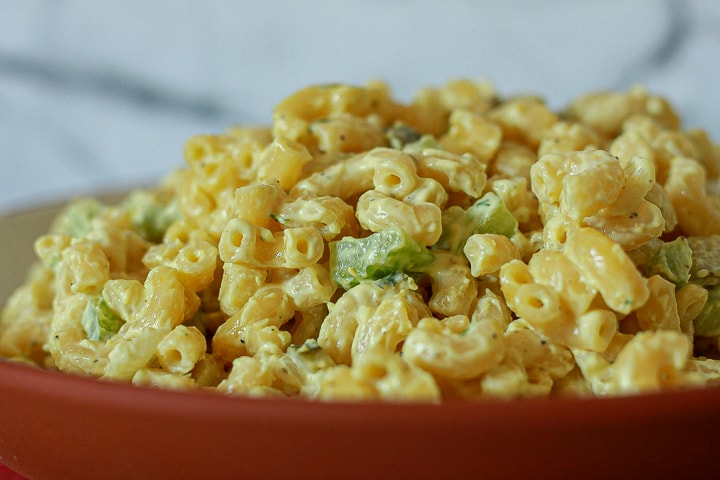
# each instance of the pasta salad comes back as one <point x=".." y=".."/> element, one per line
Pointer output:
<point x="459" y="246"/>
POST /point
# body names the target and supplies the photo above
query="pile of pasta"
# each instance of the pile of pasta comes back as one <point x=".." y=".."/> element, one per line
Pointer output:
<point x="458" y="246"/>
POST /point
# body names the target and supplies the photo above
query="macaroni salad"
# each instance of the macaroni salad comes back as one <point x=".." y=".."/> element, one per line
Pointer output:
<point x="459" y="246"/>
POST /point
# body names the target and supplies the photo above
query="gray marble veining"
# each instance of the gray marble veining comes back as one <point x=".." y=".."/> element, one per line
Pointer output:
<point x="101" y="95"/>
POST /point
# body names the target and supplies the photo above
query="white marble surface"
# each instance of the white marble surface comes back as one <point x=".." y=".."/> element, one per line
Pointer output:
<point x="99" y="95"/>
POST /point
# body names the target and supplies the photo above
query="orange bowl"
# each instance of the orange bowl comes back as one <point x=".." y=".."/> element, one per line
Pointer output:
<point x="54" y="425"/>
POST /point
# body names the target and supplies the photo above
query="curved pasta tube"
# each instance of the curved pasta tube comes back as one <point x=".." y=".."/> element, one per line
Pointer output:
<point x="556" y="270"/>
<point x="157" y="377"/>
<point x="697" y="213"/>
<point x="540" y="307"/>
<point x="524" y="119"/>
<point x="85" y="268"/>
<point x="690" y="301"/>
<point x="67" y="342"/>
<point x="330" y="216"/>
<point x="239" y="283"/>
<point x="605" y="266"/>
<point x="456" y="173"/>
<point x="26" y="317"/>
<point x="195" y="262"/>
<point x="639" y="174"/>
<point x="651" y="361"/>
<point x="660" y="311"/>
<point x="345" y="178"/>
<point x="293" y="116"/>
<point x="256" y="202"/>
<point x="224" y="162"/>
<point x="310" y="287"/>
<point x="283" y="160"/>
<point x="488" y="252"/>
<point x="608" y="111"/>
<point x="470" y="132"/>
<point x="454" y="289"/>
<point x="151" y="313"/>
<point x="243" y="242"/>
<point x="566" y="136"/>
<point x="631" y="230"/>
<point x="519" y="200"/>
<point x="580" y="183"/>
<point x="490" y="306"/>
<point x="557" y="230"/>
<point x="394" y="379"/>
<point x="249" y="376"/>
<point x="513" y="275"/>
<point x="512" y="160"/>
<point x="181" y="349"/>
<point x="538" y="355"/>
<point x="395" y="174"/>
<point x="376" y="212"/>
<point x="346" y="133"/>
<point x="49" y="248"/>
<point x="256" y="326"/>
<point x="355" y="314"/>
<point x="550" y="295"/>
<point x="594" y="331"/>
<point x="437" y="347"/>
<point x="538" y="304"/>
<point x="386" y="328"/>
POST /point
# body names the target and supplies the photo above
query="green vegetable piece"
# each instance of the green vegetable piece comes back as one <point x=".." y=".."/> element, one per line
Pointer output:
<point x="310" y="356"/>
<point x="377" y="256"/>
<point x="100" y="321"/>
<point x="149" y="215"/>
<point x="672" y="261"/>
<point x="424" y="142"/>
<point x="392" y="280"/>
<point x="77" y="218"/>
<point x="707" y="324"/>
<point x="400" y="135"/>
<point x="705" y="260"/>
<point x="487" y="215"/>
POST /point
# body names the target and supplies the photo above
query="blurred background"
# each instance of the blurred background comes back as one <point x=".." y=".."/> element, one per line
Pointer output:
<point x="97" y="96"/>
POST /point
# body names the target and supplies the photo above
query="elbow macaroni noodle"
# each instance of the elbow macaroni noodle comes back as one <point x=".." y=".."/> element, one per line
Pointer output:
<point x="222" y="277"/>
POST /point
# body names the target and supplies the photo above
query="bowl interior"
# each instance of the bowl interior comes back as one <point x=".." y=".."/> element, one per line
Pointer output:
<point x="60" y="426"/>
<point x="18" y="232"/>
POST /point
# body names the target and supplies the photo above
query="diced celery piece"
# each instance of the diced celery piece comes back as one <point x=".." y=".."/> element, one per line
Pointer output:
<point x="424" y="142"/>
<point x="150" y="216"/>
<point x="77" y="218"/>
<point x="376" y="256"/>
<point x="100" y="321"/>
<point x="487" y="215"/>
<point x="400" y="135"/>
<point x="705" y="260"/>
<point x="672" y="261"/>
<point x="707" y="324"/>
<point x="310" y="356"/>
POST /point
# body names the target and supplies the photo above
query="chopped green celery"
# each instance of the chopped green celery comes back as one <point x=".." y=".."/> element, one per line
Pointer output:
<point x="76" y="220"/>
<point x="376" y="256"/>
<point x="487" y="215"/>
<point x="400" y="135"/>
<point x="707" y="324"/>
<point x="150" y="216"/>
<point x="392" y="280"/>
<point x="672" y="261"/>
<point x="705" y="260"/>
<point x="425" y="141"/>
<point x="100" y="321"/>
<point x="310" y="356"/>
